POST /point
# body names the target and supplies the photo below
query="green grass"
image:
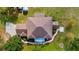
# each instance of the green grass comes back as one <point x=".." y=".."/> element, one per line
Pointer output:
<point x="21" y="18"/>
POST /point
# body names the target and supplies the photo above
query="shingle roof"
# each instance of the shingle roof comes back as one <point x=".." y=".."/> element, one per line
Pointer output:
<point x="21" y="26"/>
<point x="21" y="29"/>
<point x="43" y="22"/>
<point x="37" y="26"/>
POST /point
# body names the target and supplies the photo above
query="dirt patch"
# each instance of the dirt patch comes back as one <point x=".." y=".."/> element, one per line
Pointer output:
<point x="6" y="36"/>
<point x="3" y="35"/>
<point x="1" y="32"/>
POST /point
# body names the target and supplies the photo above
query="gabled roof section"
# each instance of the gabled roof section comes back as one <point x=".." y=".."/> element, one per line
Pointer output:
<point x="30" y="27"/>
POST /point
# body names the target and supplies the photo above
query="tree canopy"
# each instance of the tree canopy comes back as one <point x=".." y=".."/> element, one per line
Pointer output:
<point x="14" y="44"/>
<point x="9" y="14"/>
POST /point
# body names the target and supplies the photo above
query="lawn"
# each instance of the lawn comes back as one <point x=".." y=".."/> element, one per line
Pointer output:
<point x="63" y="16"/>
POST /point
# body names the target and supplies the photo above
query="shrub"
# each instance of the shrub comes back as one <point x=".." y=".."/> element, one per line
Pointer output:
<point x="69" y="35"/>
<point x="73" y="45"/>
<point x="14" y="44"/>
<point x="70" y="23"/>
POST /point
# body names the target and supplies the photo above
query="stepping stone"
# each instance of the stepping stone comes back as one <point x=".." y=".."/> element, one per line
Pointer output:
<point x="61" y="45"/>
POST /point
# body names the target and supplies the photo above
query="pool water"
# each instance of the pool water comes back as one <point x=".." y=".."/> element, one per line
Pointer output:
<point x="39" y="40"/>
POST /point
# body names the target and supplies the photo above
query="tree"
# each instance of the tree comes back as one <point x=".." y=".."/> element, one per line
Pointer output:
<point x="8" y="14"/>
<point x="73" y="45"/>
<point x="14" y="44"/>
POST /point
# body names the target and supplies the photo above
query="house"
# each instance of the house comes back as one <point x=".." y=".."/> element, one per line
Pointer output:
<point x="37" y="28"/>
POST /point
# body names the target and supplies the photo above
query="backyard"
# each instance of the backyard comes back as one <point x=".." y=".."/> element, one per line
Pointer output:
<point x="67" y="17"/>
